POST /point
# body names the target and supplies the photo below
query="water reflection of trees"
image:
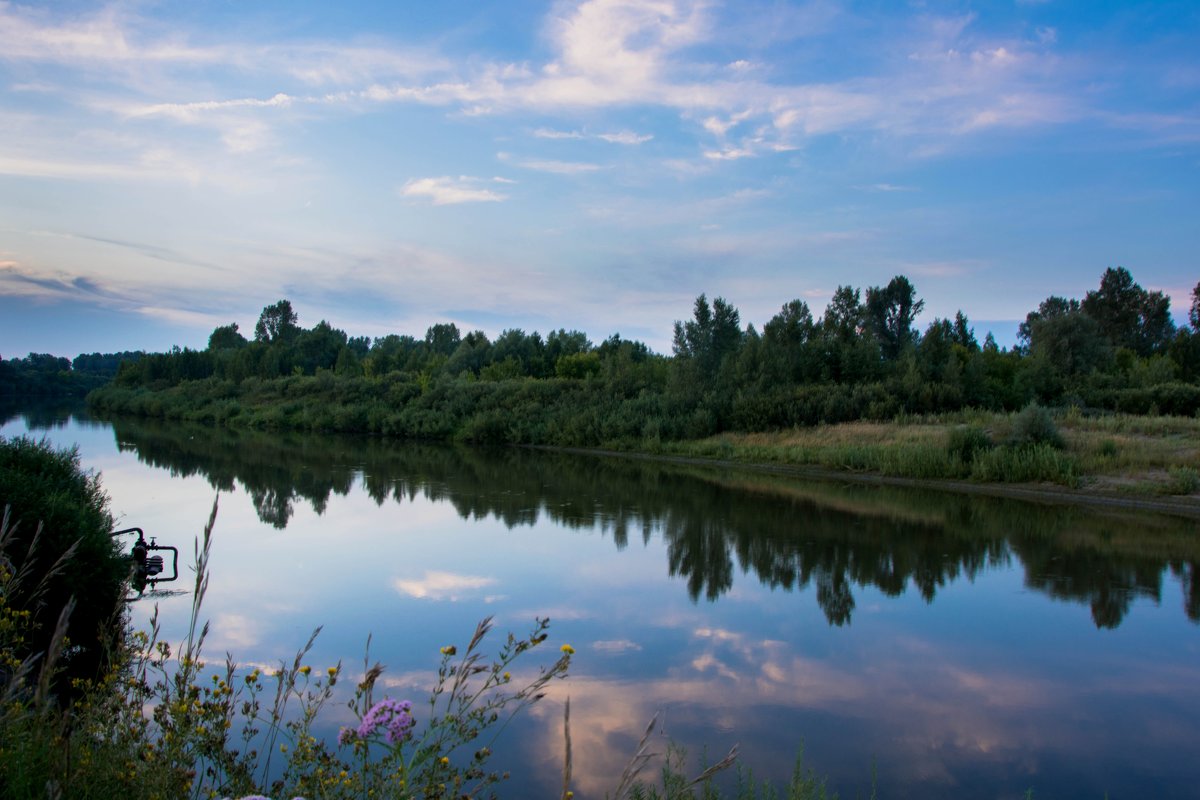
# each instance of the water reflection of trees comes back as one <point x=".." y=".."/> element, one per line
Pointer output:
<point x="791" y="534"/>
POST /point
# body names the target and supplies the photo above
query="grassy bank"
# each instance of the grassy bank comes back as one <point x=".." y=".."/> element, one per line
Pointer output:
<point x="1119" y="453"/>
<point x="1129" y="454"/>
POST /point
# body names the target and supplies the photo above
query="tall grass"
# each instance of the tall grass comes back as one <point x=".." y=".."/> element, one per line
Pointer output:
<point x="1118" y="453"/>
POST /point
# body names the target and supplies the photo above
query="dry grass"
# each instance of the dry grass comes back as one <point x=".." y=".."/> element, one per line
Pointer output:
<point x="1118" y="453"/>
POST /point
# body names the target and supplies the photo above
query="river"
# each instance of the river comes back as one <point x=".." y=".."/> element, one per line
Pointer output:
<point x="954" y="647"/>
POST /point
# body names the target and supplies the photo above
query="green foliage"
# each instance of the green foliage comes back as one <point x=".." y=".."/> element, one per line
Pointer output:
<point x="45" y="375"/>
<point x="1023" y="464"/>
<point x="57" y="512"/>
<point x="1035" y="426"/>
<point x="226" y="337"/>
<point x="890" y="312"/>
<point x="1183" y="480"/>
<point x="1128" y="315"/>
<point x="968" y="441"/>
<point x="276" y="323"/>
<point x="862" y="361"/>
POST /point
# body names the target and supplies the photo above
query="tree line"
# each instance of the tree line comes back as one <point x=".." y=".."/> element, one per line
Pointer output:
<point x="46" y="375"/>
<point x="863" y="358"/>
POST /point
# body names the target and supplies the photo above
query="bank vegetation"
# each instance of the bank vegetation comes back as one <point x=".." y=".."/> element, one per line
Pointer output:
<point x="806" y="389"/>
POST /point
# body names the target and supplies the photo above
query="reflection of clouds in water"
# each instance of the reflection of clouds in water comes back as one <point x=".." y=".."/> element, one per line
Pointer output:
<point x="437" y="585"/>
<point x="942" y="722"/>
<point x="554" y="614"/>
<point x="616" y="646"/>
<point x="234" y="630"/>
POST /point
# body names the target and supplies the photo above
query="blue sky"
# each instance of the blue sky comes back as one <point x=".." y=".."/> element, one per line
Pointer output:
<point x="166" y="168"/>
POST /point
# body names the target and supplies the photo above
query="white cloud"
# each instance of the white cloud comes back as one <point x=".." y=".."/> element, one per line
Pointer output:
<point x="547" y="133"/>
<point x="450" y="191"/>
<point x="188" y="111"/>
<point x="28" y="35"/>
<point x="552" y="166"/>
<point x="626" y="137"/>
<point x="436" y="585"/>
<point x="616" y="137"/>
<point x="728" y="154"/>
<point x="888" y="187"/>
<point x="605" y="54"/>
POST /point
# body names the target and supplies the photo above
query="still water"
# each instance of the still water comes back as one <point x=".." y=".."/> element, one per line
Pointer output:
<point x="959" y="647"/>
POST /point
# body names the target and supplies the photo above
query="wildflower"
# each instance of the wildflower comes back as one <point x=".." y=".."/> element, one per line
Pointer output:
<point x="445" y="762"/>
<point x="346" y="736"/>
<point x="332" y="671"/>
<point x="305" y="670"/>
<point x="566" y="648"/>
<point x="449" y="650"/>
<point x="390" y="714"/>
<point x="507" y="676"/>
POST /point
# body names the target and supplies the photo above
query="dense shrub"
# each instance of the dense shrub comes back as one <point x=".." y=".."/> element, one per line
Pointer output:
<point x="1033" y="426"/>
<point x="44" y="486"/>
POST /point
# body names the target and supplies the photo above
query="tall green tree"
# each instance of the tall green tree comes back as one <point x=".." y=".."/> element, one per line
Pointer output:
<point x="226" y="337"/>
<point x="845" y="314"/>
<point x="713" y="333"/>
<point x="785" y="342"/>
<point x="890" y="313"/>
<point x="1128" y="315"/>
<point x="277" y="322"/>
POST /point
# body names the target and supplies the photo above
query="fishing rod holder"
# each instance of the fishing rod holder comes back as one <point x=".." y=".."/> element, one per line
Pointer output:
<point x="148" y="565"/>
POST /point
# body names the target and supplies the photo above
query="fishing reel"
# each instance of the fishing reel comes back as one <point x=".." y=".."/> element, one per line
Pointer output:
<point x="148" y="565"/>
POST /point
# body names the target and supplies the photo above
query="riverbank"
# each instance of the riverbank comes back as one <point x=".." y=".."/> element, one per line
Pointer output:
<point x="1066" y="452"/>
<point x="1114" y="461"/>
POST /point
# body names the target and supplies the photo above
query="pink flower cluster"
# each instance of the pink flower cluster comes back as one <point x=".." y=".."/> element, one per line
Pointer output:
<point x="391" y="715"/>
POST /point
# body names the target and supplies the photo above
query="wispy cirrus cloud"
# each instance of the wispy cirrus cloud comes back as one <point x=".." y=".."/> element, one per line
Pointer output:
<point x="550" y="133"/>
<point x="616" y="137"/>
<point x="446" y="190"/>
<point x="625" y="137"/>
<point x="553" y="166"/>
<point x="951" y="81"/>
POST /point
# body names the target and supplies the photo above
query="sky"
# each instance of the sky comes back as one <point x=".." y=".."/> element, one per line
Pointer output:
<point x="166" y="168"/>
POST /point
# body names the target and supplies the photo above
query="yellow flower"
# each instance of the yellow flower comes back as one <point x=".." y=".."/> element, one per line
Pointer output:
<point x="332" y="671"/>
<point x="449" y="650"/>
<point x="508" y="676"/>
<point x="566" y="648"/>
<point x="305" y="669"/>
<point x="444" y="761"/>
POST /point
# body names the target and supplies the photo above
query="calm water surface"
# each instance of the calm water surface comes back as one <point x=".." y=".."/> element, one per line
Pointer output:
<point x="966" y="647"/>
